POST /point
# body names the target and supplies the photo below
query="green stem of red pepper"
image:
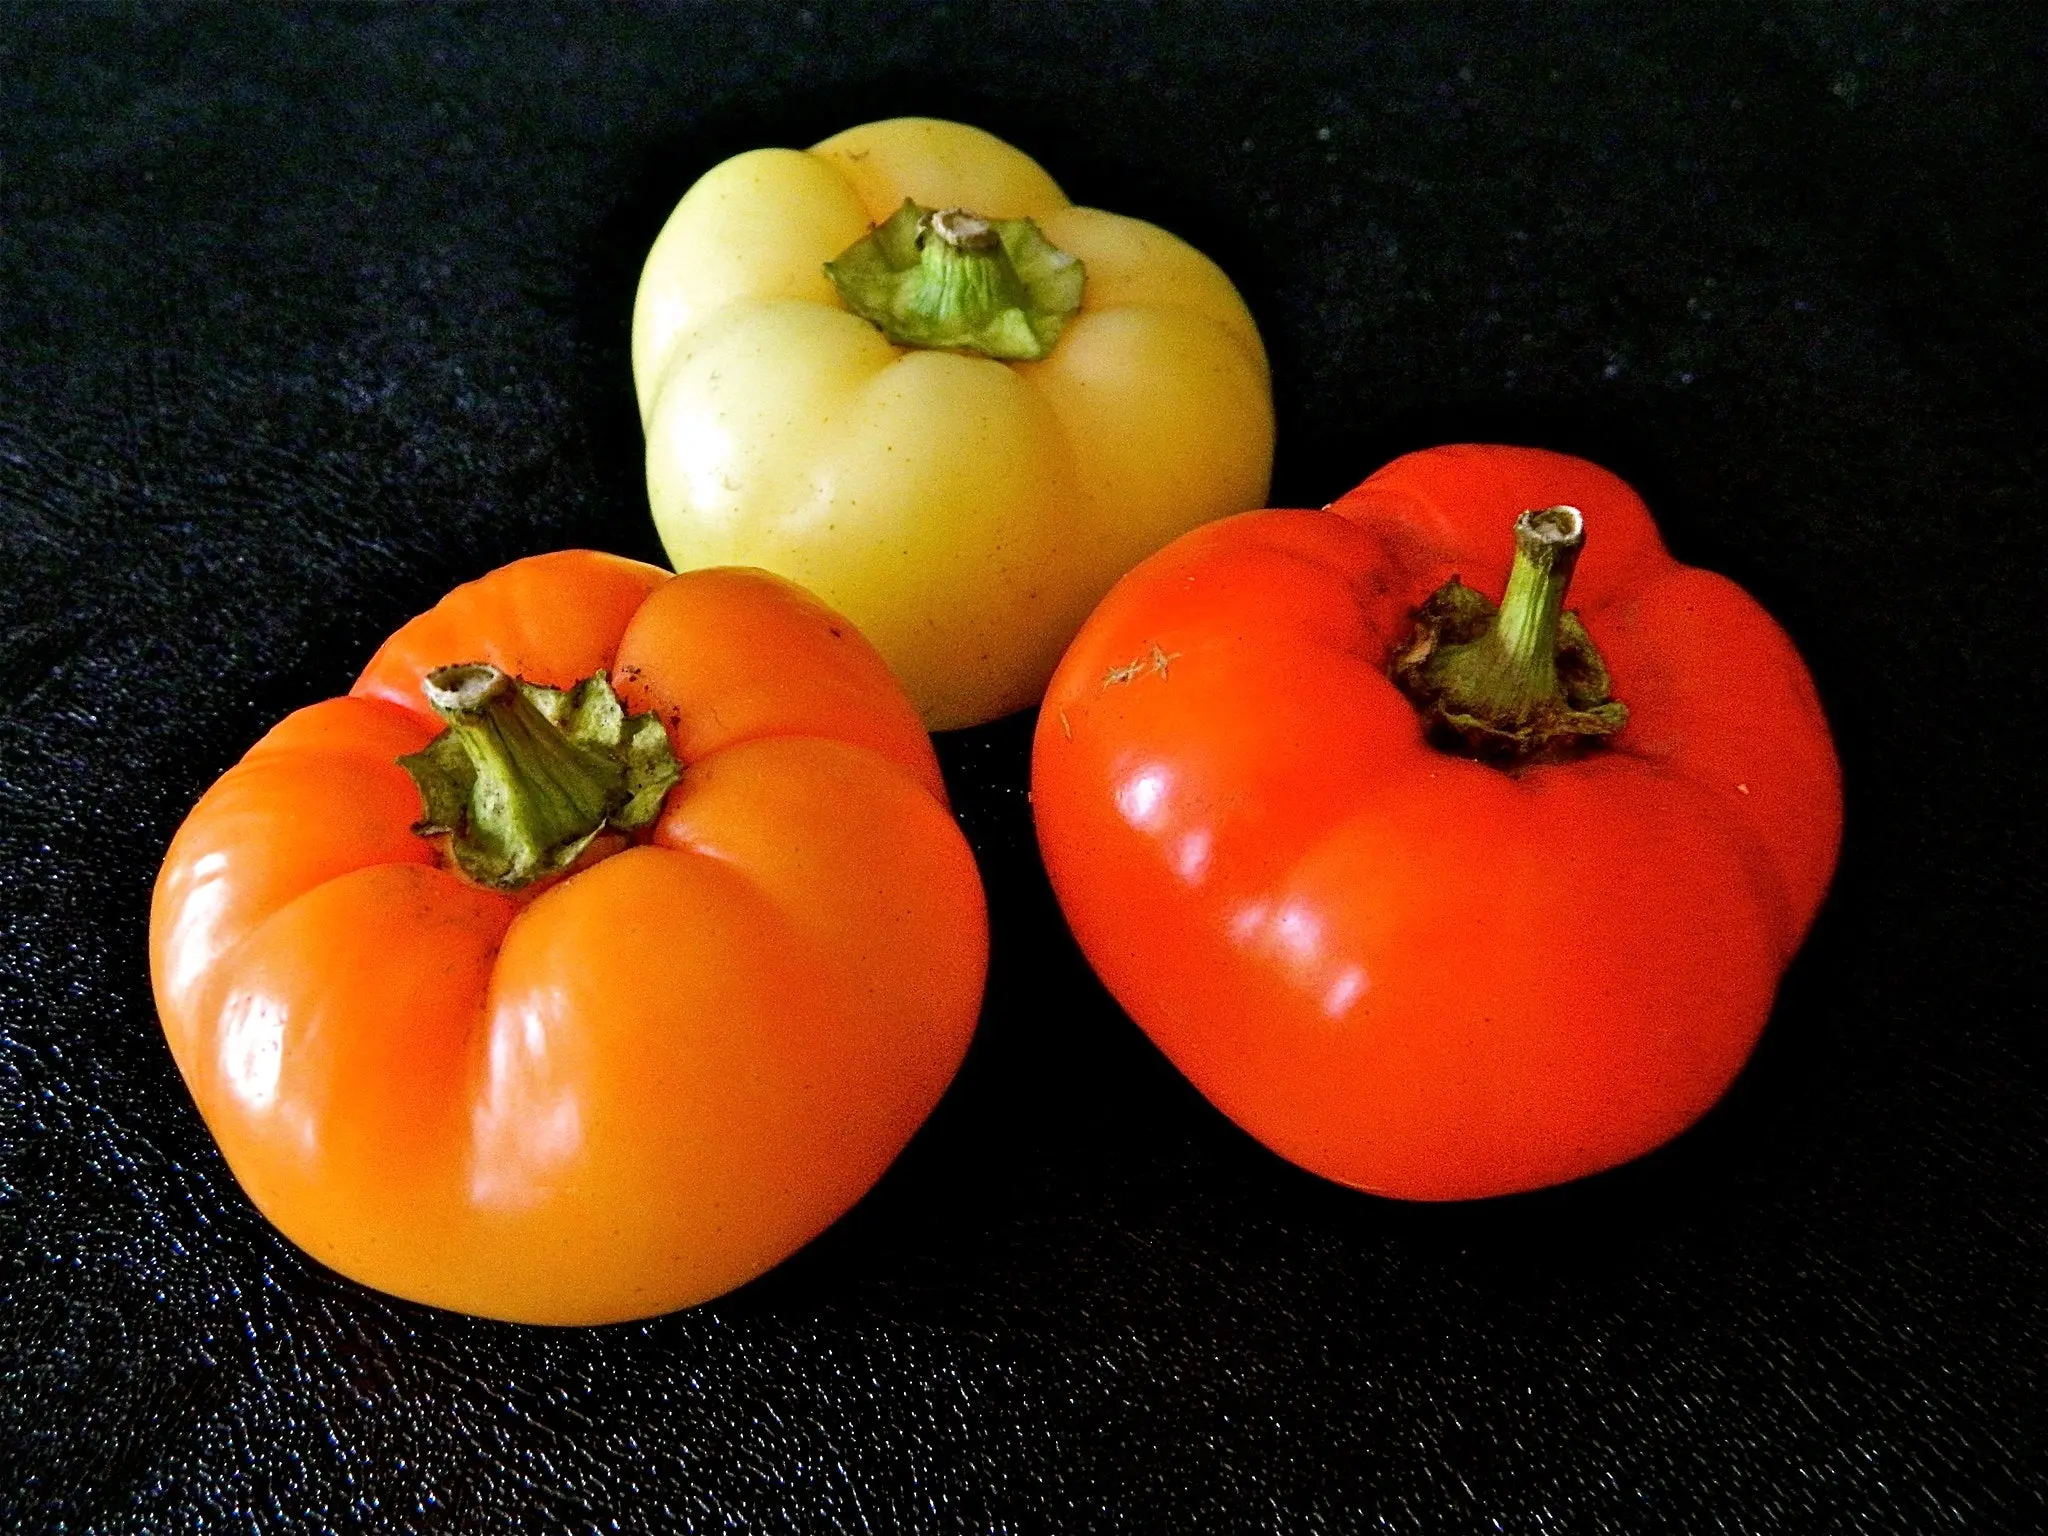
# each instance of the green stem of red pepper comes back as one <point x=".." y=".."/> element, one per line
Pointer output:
<point x="525" y="778"/>
<point x="1522" y="683"/>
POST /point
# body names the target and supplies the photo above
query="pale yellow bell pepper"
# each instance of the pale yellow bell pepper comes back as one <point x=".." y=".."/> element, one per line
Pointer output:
<point x="965" y="510"/>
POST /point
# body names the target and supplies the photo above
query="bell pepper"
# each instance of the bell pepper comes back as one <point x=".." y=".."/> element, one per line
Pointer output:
<point x="601" y="946"/>
<point x="1441" y="890"/>
<point x="902" y="369"/>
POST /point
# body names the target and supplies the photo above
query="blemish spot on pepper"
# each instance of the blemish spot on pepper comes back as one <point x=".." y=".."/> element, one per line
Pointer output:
<point x="1066" y="725"/>
<point x="1154" y="660"/>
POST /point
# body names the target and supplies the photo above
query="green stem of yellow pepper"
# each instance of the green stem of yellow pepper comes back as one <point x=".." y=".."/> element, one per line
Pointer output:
<point x="954" y="281"/>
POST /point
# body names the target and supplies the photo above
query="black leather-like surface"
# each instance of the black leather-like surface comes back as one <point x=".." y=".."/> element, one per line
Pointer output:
<point x="305" y="316"/>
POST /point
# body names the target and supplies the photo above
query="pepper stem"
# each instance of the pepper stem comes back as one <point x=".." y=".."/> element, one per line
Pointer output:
<point x="1521" y="684"/>
<point x="951" y="280"/>
<point x="524" y="778"/>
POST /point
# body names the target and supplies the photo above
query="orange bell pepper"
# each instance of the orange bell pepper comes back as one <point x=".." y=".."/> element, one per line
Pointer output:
<point x="575" y="1046"/>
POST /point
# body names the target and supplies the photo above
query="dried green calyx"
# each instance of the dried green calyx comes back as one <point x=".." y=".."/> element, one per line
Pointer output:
<point x="951" y="280"/>
<point x="1520" y="684"/>
<point x="525" y="778"/>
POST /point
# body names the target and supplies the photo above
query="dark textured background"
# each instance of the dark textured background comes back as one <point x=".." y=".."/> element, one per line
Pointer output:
<point x="306" y="315"/>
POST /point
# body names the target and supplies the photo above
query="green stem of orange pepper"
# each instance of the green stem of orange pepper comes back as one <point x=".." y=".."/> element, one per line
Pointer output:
<point x="524" y="777"/>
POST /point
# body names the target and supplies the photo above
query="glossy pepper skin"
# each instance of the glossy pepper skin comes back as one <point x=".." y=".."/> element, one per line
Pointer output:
<point x="1402" y="968"/>
<point x="630" y="1087"/>
<point x="966" y="512"/>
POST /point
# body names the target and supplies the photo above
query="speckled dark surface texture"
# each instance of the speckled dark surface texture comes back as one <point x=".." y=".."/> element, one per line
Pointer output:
<point x="306" y="315"/>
